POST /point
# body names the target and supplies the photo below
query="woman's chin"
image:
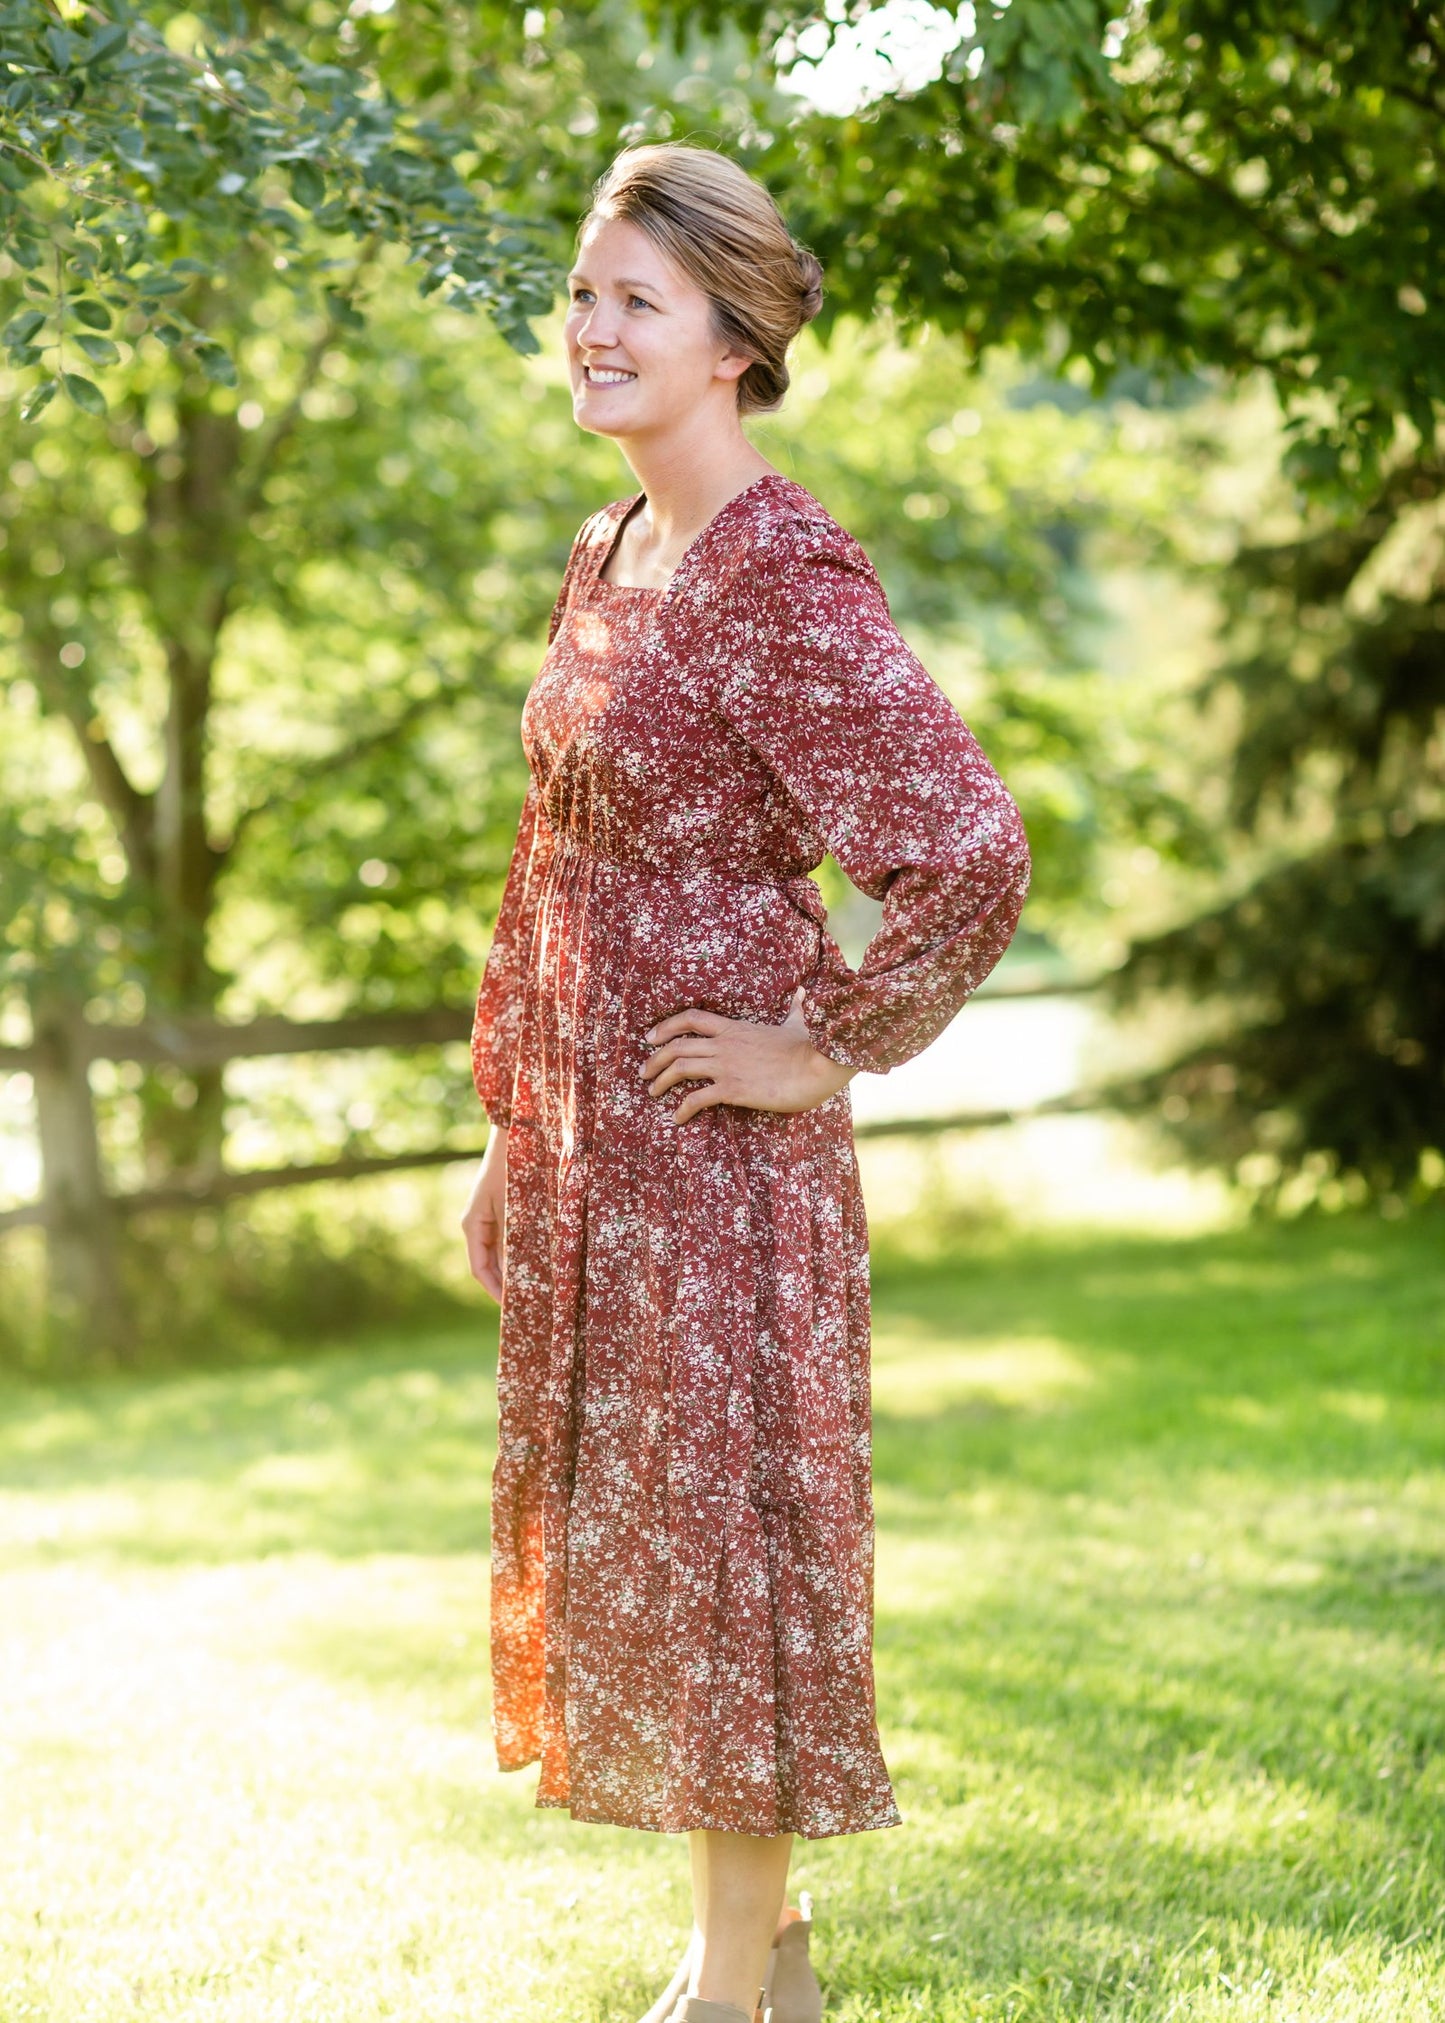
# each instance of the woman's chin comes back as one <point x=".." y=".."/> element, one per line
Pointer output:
<point x="586" y="415"/>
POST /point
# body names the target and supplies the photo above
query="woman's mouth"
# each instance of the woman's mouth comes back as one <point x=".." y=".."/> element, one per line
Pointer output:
<point x="607" y="375"/>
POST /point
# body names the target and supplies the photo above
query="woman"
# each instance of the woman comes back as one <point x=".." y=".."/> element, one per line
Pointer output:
<point x="669" y="1207"/>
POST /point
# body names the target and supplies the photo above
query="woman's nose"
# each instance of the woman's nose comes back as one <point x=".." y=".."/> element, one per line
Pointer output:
<point x="593" y="333"/>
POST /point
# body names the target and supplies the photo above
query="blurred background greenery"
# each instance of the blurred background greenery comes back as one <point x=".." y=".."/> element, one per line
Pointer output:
<point x="1129" y="380"/>
<point x="1123" y="380"/>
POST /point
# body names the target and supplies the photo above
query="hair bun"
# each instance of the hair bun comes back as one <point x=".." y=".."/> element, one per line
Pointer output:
<point x="810" y="283"/>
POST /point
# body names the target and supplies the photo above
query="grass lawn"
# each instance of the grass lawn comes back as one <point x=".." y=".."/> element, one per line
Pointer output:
<point x="1161" y="1614"/>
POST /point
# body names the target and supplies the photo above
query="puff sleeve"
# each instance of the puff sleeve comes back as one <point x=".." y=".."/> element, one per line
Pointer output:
<point x="498" y="1011"/>
<point x="818" y="679"/>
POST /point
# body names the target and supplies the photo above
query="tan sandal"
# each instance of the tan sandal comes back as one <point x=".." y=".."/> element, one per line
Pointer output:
<point x="791" y="1993"/>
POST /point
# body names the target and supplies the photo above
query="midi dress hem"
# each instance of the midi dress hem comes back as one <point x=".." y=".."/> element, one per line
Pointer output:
<point x="722" y="1823"/>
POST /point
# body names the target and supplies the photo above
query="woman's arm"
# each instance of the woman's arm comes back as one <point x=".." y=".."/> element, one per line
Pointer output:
<point x="499" y="996"/>
<point x="818" y="679"/>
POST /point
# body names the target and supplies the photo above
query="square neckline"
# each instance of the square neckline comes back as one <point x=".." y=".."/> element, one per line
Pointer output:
<point x="600" y="582"/>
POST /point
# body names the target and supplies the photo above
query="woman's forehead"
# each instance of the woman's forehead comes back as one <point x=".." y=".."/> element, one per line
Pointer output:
<point x="617" y="241"/>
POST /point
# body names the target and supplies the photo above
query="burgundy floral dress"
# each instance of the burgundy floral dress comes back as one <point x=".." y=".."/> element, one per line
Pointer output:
<point x="682" y="1520"/>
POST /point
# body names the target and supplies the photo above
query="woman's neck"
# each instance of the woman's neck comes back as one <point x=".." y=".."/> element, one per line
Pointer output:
<point x="686" y="488"/>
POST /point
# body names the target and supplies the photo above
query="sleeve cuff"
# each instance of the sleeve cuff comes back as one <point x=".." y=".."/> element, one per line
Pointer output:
<point x="815" y="1018"/>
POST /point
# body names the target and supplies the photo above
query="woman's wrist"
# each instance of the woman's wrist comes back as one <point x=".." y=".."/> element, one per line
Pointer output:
<point x="830" y="1075"/>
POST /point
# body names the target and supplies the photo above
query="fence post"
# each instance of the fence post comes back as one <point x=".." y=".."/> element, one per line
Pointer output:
<point x="86" y="1298"/>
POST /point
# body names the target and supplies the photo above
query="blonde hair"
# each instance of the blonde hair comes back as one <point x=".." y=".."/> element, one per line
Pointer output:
<point x="721" y="228"/>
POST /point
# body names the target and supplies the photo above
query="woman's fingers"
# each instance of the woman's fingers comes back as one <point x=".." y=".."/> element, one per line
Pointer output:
<point x="702" y="1099"/>
<point x="484" y="1217"/>
<point x="485" y="1247"/>
<point x="493" y="1237"/>
<point x="481" y="1256"/>
<point x="690" y="1021"/>
<point x="681" y="1064"/>
<point x="761" y="1067"/>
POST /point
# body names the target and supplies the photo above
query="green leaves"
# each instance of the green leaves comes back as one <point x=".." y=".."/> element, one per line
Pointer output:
<point x="84" y="392"/>
<point x="1252" y="189"/>
<point x="106" y="43"/>
<point x="1050" y="50"/>
<point x="308" y="185"/>
<point x="521" y="337"/>
<point x="20" y="329"/>
<point x="151" y="287"/>
<point x="38" y="398"/>
<point x="99" y="349"/>
<point x="130" y="150"/>
<point x="342" y="310"/>
<point x="60" y="45"/>
<point x="143" y="168"/>
<point x="216" y="363"/>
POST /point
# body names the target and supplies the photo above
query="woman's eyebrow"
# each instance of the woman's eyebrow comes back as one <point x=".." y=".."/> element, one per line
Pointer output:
<point x="623" y="281"/>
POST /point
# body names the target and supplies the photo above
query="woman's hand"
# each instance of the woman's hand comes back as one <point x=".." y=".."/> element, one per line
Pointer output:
<point x="484" y="1217"/>
<point x="756" y="1067"/>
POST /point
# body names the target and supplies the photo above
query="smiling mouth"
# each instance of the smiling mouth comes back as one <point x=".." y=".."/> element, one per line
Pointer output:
<point x="607" y="376"/>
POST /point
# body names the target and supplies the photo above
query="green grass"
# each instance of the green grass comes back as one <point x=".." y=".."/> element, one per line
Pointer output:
<point x="1161" y="1611"/>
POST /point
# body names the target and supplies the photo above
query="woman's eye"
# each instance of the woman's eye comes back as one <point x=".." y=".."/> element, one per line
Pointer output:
<point x="578" y="293"/>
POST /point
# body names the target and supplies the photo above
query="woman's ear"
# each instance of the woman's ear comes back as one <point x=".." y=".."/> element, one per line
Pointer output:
<point x="733" y="364"/>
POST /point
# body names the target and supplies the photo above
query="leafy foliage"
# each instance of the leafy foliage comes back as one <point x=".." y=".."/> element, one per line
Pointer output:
<point x="1333" y="958"/>
<point x="1334" y="1051"/>
<point x="256" y="595"/>
<point x="1248" y="189"/>
<point x="142" y="152"/>
<point x="1249" y="185"/>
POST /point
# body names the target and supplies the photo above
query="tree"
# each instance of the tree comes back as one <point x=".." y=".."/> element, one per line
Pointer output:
<point x="1249" y="188"/>
<point x="218" y="225"/>
<point x="196" y="212"/>
<point x="1331" y="954"/>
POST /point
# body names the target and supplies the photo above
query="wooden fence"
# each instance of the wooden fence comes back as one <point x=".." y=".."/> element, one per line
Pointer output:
<point x="80" y="1214"/>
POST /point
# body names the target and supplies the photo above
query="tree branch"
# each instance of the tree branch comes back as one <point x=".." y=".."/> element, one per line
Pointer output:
<point x="1396" y="89"/>
<point x="1300" y="256"/>
<point x="128" y="807"/>
<point x="337" y="761"/>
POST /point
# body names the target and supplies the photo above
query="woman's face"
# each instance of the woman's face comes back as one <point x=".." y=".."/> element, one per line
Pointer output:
<point x="632" y="313"/>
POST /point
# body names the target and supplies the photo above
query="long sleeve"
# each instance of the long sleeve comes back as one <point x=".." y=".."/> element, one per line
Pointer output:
<point x="818" y="679"/>
<point x="499" y="996"/>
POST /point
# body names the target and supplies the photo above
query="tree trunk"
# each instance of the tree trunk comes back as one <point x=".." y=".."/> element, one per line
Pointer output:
<point x="86" y="1306"/>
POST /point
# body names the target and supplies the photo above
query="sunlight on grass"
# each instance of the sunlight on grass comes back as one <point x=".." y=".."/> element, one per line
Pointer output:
<point x="1025" y="1374"/>
<point x="1159" y="1647"/>
<point x="348" y="1452"/>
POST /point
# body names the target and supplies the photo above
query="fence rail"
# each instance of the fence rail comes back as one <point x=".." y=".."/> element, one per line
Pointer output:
<point x="196" y="1040"/>
<point x="80" y="1214"/>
